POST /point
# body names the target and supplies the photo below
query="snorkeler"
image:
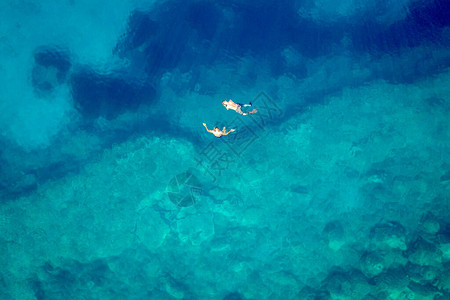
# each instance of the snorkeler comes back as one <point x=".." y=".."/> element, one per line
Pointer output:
<point x="230" y="104"/>
<point x="218" y="133"/>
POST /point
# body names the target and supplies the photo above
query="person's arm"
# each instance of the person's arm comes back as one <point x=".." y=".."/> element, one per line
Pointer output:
<point x="206" y="127"/>
<point x="231" y="130"/>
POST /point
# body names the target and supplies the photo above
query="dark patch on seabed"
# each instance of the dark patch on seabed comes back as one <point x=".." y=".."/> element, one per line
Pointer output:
<point x="50" y="69"/>
<point x="108" y="95"/>
<point x="184" y="35"/>
<point x="187" y="36"/>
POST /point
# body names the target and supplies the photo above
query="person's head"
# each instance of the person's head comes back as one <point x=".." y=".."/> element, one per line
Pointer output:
<point x="224" y="102"/>
<point x="216" y="128"/>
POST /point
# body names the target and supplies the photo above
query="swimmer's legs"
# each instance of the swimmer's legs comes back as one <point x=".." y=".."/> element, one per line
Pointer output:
<point x="239" y="110"/>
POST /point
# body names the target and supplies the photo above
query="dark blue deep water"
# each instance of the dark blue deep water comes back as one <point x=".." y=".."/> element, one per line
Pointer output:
<point x="336" y="186"/>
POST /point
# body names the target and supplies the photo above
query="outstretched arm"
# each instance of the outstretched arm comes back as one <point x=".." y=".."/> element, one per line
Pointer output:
<point x="231" y="130"/>
<point x="206" y="127"/>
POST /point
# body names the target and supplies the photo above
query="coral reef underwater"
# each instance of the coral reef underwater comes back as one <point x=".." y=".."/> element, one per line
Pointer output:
<point x="417" y="270"/>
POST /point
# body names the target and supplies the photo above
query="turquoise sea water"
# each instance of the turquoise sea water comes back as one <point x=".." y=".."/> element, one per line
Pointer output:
<point x="337" y="188"/>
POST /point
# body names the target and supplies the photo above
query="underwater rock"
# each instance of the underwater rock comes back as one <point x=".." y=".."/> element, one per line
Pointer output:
<point x="232" y="296"/>
<point x="183" y="189"/>
<point x="287" y="285"/>
<point x="429" y="226"/>
<point x="371" y="264"/>
<point x="204" y="17"/>
<point x="389" y="235"/>
<point x="347" y="285"/>
<point x="445" y="249"/>
<point x="392" y="282"/>
<point x="394" y="258"/>
<point x="423" y="253"/>
<point x="445" y="179"/>
<point x="444" y="280"/>
<point x="425" y="292"/>
<point x="18" y="184"/>
<point x="334" y="234"/>
<point x="255" y="288"/>
<point x="405" y="294"/>
<point x="174" y="288"/>
<point x="307" y="293"/>
<point x="141" y="29"/>
<point x="374" y="297"/>
<point x="337" y="284"/>
<point x="108" y="95"/>
<point x="71" y="279"/>
<point x="436" y="102"/>
<point x="153" y="46"/>
<point x="195" y="228"/>
<point x="422" y="274"/>
<point x="443" y="239"/>
<point x="360" y="286"/>
<point x="151" y="229"/>
<point x="50" y="69"/>
<point x="179" y="82"/>
<point x="376" y="176"/>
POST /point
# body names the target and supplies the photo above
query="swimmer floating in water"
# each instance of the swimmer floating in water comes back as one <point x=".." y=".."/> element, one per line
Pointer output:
<point x="230" y="104"/>
<point x="218" y="133"/>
